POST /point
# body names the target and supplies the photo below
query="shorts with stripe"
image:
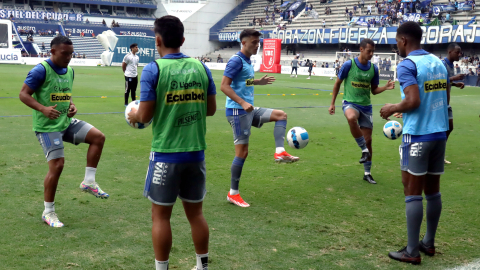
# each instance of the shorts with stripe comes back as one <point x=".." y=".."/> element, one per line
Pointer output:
<point x="52" y="142"/>
<point x="365" y="118"/>
<point x="167" y="181"/>
<point x="422" y="158"/>
<point x="242" y="124"/>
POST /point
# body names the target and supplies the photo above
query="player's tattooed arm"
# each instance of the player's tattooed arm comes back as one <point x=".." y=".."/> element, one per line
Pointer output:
<point x="229" y="92"/>
<point x="410" y="102"/>
<point x="26" y="97"/>
<point x="336" y="89"/>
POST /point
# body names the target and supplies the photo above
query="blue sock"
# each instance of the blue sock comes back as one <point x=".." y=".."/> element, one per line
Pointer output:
<point x="434" y="209"/>
<point x="414" y="213"/>
<point x="236" y="169"/>
<point x="279" y="132"/>
<point x="367" y="166"/>
<point x="361" y="143"/>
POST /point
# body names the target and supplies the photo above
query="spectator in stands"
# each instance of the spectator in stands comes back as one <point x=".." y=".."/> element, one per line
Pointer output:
<point x="57" y="33"/>
<point x="326" y="65"/>
<point x="355" y="9"/>
<point x="346" y="11"/>
<point x="12" y="18"/>
<point x="219" y="59"/>
<point x="470" y="72"/>
<point x="43" y="46"/>
<point x="84" y="56"/>
<point x="45" y="19"/>
<point x="87" y="21"/>
<point x="456" y="5"/>
<point x="113" y="23"/>
<point x="104" y="23"/>
<point x="369" y="9"/>
<point x="266" y="9"/>
<point x="350" y="15"/>
<point x="49" y="32"/>
<point x="93" y="34"/>
<point x="254" y="21"/>
<point x="73" y="55"/>
<point x="457" y="69"/>
<point x="290" y="19"/>
<point x="82" y="34"/>
<point x="323" y="23"/>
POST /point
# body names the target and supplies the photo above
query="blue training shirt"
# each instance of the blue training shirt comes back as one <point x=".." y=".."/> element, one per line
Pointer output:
<point x="407" y="76"/>
<point x="233" y="69"/>
<point x="148" y="87"/>
<point x="343" y="73"/>
<point x="36" y="76"/>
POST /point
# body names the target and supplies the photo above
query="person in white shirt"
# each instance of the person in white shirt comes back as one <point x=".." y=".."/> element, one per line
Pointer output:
<point x="129" y="66"/>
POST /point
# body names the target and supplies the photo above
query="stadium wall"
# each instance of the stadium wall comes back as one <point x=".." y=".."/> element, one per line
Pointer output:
<point x="198" y="23"/>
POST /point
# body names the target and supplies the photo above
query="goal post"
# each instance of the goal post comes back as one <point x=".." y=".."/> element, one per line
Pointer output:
<point x="385" y="62"/>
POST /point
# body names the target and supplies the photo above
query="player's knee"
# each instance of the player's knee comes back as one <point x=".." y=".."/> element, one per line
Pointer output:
<point x="352" y="120"/>
<point x="57" y="164"/>
<point x="100" y="139"/>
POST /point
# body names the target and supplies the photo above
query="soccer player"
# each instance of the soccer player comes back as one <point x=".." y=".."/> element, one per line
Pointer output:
<point x="310" y="67"/>
<point x="48" y="91"/>
<point x="129" y="66"/>
<point x="238" y="83"/>
<point x="294" y="65"/>
<point x="454" y="52"/>
<point x="424" y="89"/>
<point x="361" y="79"/>
<point x="179" y="93"/>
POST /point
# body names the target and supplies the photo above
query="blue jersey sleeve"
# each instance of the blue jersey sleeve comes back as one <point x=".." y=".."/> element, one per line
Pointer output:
<point x="343" y="73"/>
<point x="36" y="77"/>
<point x="148" y="82"/>
<point x="234" y="66"/>
<point x="407" y="73"/>
<point x="376" y="77"/>
<point x="212" y="90"/>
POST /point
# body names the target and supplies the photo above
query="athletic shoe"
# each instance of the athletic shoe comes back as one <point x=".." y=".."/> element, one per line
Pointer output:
<point x="237" y="200"/>
<point x="296" y="76"/>
<point x="308" y="78"/>
<point x="403" y="256"/>
<point x="447" y="162"/>
<point x="285" y="157"/>
<point x="126" y="105"/>
<point x="94" y="189"/>
<point x="365" y="157"/>
<point x="369" y="179"/>
<point x="428" y="250"/>
<point x="52" y="220"/>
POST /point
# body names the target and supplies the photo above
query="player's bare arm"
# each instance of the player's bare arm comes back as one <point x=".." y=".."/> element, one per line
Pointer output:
<point x="144" y="113"/>
<point x="26" y="97"/>
<point x="410" y="102"/>
<point x="124" y="66"/>
<point x="264" y="80"/>
<point x="336" y="89"/>
<point x="228" y="91"/>
<point x="211" y="105"/>
<point x="377" y="90"/>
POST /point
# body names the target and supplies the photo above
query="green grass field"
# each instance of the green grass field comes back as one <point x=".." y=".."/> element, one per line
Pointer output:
<point x="317" y="213"/>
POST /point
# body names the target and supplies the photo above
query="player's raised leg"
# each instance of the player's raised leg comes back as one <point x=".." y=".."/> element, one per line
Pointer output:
<point x="280" y="119"/>
<point x="96" y="139"/>
<point x="352" y="116"/>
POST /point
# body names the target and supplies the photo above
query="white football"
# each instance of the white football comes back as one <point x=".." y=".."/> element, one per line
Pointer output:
<point x="135" y="104"/>
<point x="297" y="137"/>
<point x="392" y="130"/>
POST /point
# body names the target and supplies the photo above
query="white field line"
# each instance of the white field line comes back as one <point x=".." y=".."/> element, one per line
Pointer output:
<point x="471" y="266"/>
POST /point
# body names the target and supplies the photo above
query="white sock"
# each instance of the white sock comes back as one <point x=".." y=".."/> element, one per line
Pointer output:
<point x="90" y="175"/>
<point x="367" y="173"/>
<point x="234" y="191"/>
<point x="202" y="264"/>
<point x="161" y="265"/>
<point x="49" y="207"/>
<point x="365" y="150"/>
<point x="279" y="150"/>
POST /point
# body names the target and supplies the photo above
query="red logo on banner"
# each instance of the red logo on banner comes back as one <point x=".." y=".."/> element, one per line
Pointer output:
<point x="271" y="56"/>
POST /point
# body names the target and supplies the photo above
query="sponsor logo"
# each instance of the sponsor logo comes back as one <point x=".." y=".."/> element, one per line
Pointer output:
<point x="249" y="82"/>
<point x="185" y="96"/>
<point x="363" y="85"/>
<point x="187" y="119"/>
<point x="59" y="89"/>
<point x="438" y="104"/>
<point x="160" y="173"/>
<point x="435" y="85"/>
<point x="185" y="85"/>
<point x="9" y="57"/>
<point x="416" y="150"/>
<point x="60" y="97"/>
<point x="56" y="141"/>
<point x="183" y="71"/>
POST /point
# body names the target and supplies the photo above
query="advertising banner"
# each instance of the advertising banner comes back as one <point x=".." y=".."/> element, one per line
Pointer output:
<point x="10" y="56"/>
<point x="146" y="46"/>
<point x="39" y="15"/>
<point x="272" y="49"/>
<point x="386" y="75"/>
